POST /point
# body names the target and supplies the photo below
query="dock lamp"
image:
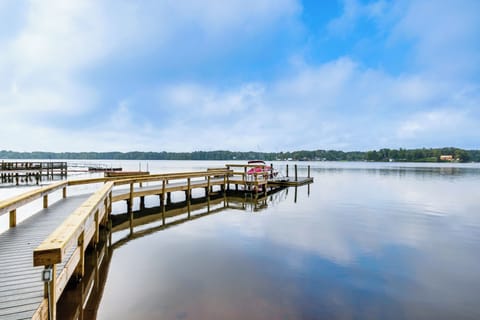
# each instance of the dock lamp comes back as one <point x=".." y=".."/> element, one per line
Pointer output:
<point x="47" y="277"/>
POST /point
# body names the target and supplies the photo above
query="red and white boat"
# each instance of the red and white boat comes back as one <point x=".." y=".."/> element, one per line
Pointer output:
<point x="261" y="167"/>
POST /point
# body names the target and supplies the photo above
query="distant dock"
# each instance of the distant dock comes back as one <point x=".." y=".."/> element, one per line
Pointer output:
<point x="24" y="172"/>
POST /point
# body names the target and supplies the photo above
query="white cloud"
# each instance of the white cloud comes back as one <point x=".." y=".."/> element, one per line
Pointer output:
<point x="446" y="36"/>
<point x="338" y="104"/>
<point x="438" y="122"/>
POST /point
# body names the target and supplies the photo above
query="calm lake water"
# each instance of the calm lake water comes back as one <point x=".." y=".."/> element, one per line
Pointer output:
<point x="364" y="241"/>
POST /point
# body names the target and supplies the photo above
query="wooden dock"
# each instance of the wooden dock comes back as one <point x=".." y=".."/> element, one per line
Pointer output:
<point x="55" y="239"/>
<point x="25" y="172"/>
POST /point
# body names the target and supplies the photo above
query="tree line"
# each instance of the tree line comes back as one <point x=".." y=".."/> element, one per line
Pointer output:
<point x="398" y="155"/>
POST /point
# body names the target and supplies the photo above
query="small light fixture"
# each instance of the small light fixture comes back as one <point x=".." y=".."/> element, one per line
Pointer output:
<point x="47" y="275"/>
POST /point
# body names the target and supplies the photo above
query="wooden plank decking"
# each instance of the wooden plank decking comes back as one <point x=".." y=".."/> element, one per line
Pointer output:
<point x="21" y="288"/>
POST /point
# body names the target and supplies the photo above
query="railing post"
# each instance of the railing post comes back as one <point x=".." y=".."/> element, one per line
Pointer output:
<point x="162" y="199"/>
<point x="130" y="203"/>
<point x="80" y="270"/>
<point x="208" y="186"/>
<point x="189" y="191"/>
<point x="96" y="237"/>
<point x="13" y="218"/>
<point x="110" y="200"/>
<point x="64" y="192"/>
<point x="45" y="201"/>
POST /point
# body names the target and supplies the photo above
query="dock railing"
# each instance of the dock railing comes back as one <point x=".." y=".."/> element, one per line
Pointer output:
<point x="63" y="253"/>
<point x="67" y="244"/>
<point x="11" y="205"/>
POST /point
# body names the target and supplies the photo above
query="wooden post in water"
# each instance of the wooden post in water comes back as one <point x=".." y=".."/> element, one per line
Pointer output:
<point x="308" y="171"/>
<point x="287" y="170"/>
<point x="296" y="176"/>
<point x="142" y="203"/>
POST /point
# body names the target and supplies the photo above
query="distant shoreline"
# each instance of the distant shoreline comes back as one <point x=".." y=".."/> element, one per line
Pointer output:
<point x="431" y="155"/>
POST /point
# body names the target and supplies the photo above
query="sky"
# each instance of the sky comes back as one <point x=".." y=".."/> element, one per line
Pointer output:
<point x="240" y="75"/>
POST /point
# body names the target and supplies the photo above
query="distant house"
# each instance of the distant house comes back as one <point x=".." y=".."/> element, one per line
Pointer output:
<point x="446" y="158"/>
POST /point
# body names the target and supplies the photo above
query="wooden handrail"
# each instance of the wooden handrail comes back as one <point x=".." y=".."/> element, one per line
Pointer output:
<point x="20" y="200"/>
<point x="148" y="177"/>
<point x="73" y="235"/>
<point x="172" y="176"/>
<point x="52" y="249"/>
<point x="11" y="205"/>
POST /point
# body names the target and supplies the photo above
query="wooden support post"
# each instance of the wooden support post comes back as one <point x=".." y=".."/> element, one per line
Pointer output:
<point x="266" y="187"/>
<point x="130" y="202"/>
<point x="16" y="178"/>
<point x="169" y="198"/>
<point x="96" y="236"/>
<point x="164" y="185"/>
<point x="105" y="215"/>
<point x="110" y="203"/>
<point x="80" y="270"/>
<point x="142" y="203"/>
<point x="296" y="176"/>
<point x="50" y="292"/>
<point x="208" y="186"/>
<point x="224" y="184"/>
<point x="308" y="171"/>
<point x="45" y="201"/>
<point x="287" y="170"/>
<point x="13" y="218"/>
<point x="189" y="190"/>
<point x="64" y="192"/>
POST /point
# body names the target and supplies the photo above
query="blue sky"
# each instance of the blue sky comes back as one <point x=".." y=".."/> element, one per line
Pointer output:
<point x="263" y="75"/>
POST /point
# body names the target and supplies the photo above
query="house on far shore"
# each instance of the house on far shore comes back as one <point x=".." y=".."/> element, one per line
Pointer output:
<point x="446" y="158"/>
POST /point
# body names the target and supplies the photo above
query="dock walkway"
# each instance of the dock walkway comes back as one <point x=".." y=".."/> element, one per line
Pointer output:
<point x="21" y="289"/>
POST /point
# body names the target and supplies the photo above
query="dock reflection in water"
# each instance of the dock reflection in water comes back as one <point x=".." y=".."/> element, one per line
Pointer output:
<point x="81" y="300"/>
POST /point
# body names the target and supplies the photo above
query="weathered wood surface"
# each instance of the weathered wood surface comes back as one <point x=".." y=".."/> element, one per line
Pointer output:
<point x="21" y="289"/>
